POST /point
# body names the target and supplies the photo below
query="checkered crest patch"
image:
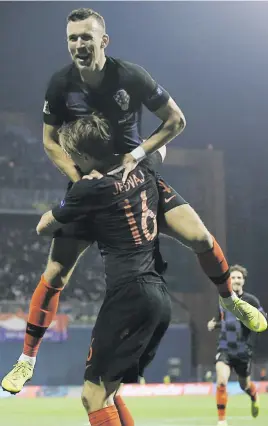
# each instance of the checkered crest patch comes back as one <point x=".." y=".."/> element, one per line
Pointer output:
<point x="122" y="98"/>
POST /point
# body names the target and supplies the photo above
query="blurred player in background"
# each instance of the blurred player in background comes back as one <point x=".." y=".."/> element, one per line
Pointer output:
<point x="235" y="348"/>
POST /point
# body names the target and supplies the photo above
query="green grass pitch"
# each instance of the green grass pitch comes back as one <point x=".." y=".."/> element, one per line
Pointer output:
<point x="150" y="411"/>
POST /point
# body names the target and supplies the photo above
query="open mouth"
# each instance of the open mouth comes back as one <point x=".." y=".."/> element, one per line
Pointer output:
<point x="84" y="58"/>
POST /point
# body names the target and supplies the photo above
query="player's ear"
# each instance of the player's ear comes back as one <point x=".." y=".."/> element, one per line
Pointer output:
<point x="105" y="41"/>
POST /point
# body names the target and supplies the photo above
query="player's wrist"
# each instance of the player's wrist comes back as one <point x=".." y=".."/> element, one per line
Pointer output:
<point x="138" y="153"/>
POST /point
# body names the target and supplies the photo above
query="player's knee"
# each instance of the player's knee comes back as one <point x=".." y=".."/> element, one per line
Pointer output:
<point x="201" y="240"/>
<point x="93" y="397"/>
<point x="184" y="224"/>
<point x="56" y="274"/>
<point x="221" y="381"/>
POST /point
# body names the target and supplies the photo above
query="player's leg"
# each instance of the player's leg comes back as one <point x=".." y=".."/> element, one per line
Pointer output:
<point x="243" y="370"/>
<point x="97" y="399"/>
<point x="180" y="221"/>
<point x="136" y="372"/>
<point x="165" y="315"/>
<point x="132" y="312"/>
<point x="62" y="259"/>
<point x="125" y="415"/>
<point x="223" y="372"/>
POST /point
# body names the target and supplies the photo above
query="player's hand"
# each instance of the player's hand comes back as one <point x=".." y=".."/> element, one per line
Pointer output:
<point x="212" y="324"/>
<point x="93" y="175"/>
<point x="129" y="163"/>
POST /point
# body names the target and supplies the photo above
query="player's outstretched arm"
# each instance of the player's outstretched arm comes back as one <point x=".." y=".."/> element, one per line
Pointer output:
<point x="56" y="154"/>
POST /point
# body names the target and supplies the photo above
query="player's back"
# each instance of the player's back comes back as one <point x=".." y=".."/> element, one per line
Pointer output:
<point x="125" y="215"/>
<point x="125" y="224"/>
<point x="120" y="217"/>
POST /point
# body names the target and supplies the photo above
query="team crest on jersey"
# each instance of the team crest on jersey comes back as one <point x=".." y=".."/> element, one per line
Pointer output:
<point x="122" y="98"/>
<point x="46" y="108"/>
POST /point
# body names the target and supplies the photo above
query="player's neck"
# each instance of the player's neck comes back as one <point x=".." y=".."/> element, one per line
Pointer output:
<point x="94" y="78"/>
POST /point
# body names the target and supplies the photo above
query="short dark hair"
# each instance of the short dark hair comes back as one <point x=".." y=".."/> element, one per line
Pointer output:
<point x="90" y="135"/>
<point x="239" y="268"/>
<point x="84" y="13"/>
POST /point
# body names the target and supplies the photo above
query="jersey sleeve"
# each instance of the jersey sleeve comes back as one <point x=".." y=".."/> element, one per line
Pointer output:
<point x="79" y="201"/>
<point x="151" y="94"/>
<point x="54" y="105"/>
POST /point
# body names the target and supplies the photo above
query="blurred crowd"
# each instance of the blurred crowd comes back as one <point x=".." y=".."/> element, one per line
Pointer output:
<point x="23" y="163"/>
<point x="23" y="258"/>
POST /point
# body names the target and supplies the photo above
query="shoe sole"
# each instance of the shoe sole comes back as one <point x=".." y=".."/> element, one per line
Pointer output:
<point x="14" y="393"/>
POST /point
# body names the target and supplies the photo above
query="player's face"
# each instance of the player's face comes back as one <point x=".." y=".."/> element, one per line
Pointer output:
<point x="86" y="43"/>
<point x="238" y="282"/>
